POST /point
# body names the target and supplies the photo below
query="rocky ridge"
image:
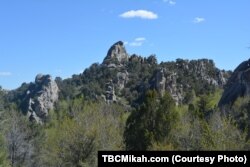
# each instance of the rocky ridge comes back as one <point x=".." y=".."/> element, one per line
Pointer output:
<point x="122" y="78"/>
<point x="183" y="76"/>
<point x="238" y="84"/>
<point x="172" y="77"/>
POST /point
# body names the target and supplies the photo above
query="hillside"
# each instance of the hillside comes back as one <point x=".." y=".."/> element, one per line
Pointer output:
<point x="127" y="102"/>
<point x="123" y="79"/>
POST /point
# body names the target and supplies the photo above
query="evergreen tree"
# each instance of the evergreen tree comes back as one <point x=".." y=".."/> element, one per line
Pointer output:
<point x="151" y="123"/>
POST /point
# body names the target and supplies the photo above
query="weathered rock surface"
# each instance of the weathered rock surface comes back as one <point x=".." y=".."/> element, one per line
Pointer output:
<point x="40" y="97"/>
<point x="204" y="69"/>
<point x="165" y="81"/>
<point x="122" y="79"/>
<point x="176" y="78"/>
<point x="110" y="95"/>
<point x="115" y="60"/>
<point x="116" y="55"/>
<point x="182" y="76"/>
<point x="238" y="85"/>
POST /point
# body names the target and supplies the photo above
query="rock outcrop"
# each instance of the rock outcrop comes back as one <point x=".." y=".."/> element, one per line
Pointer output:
<point x="180" y="77"/>
<point x="238" y="84"/>
<point x="110" y="96"/>
<point x="165" y="81"/>
<point x="205" y="70"/>
<point x="40" y="97"/>
<point x="122" y="79"/>
<point x="160" y="81"/>
<point x="116" y="55"/>
<point x="115" y="60"/>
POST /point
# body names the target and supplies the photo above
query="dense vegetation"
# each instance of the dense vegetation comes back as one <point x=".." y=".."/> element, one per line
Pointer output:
<point x="77" y="128"/>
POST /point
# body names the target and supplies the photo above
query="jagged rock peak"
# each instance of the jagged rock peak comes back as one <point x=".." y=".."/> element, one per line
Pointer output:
<point x="116" y="55"/>
<point x="238" y="84"/>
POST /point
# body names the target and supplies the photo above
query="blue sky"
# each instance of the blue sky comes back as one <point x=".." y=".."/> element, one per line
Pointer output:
<point x="63" y="37"/>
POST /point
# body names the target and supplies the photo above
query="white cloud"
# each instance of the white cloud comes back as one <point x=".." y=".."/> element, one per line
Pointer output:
<point x="5" y="74"/>
<point x="139" y="39"/>
<point x="198" y="20"/>
<point x="136" y="42"/>
<point x="170" y="2"/>
<point x="143" y="14"/>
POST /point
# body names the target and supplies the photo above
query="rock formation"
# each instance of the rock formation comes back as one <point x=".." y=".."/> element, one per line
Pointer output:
<point x="116" y="55"/>
<point x="160" y="83"/>
<point x="115" y="60"/>
<point x="176" y="78"/>
<point x="166" y="81"/>
<point x="238" y="85"/>
<point x="122" y="79"/>
<point x="180" y="77"/>
<point x="110" y="95"/>
<point x="205" y="70"/>
<point x="41" y="97"/>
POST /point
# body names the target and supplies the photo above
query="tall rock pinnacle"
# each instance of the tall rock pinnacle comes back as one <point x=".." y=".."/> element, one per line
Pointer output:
<point x="117" y="54"/>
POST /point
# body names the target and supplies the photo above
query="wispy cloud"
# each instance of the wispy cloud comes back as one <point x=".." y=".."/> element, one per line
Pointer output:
<point x="199" y="20"/>
<point x="170" y="2"/>
<point x="143" y="14"/>
<point x="140" y="39"/>
<point x="136" y="42"/>
<point x="126" y="43"/>
<point x="5" y="74"/>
